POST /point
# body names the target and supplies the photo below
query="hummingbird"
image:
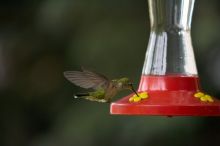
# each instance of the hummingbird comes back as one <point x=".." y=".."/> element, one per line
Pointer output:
<point x="104" y="88"/>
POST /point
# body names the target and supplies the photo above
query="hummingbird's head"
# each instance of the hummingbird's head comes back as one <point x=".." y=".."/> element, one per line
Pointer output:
<point x="125" y="83"/>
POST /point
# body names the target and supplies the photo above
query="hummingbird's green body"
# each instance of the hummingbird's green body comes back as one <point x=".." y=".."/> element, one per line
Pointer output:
<point x="105" y="89"/>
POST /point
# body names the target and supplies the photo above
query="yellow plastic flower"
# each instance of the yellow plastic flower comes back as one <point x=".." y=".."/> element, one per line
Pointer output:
<point x="136" y="99"/>
<point x="141" y="96"/>
<point x="203" y="97"/>
<point x="199" y="94"/>
<point x="144" y="95"/>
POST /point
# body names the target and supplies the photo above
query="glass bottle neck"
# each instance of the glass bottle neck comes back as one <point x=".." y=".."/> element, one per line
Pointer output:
<point x="170" y="48"/>
<point x="171" y="15"/>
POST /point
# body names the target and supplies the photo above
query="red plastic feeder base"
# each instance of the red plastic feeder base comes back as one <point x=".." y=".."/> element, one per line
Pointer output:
<point x="168" y="96"/>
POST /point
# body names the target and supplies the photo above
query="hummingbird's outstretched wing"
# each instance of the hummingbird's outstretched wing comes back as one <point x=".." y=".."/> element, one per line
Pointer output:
<point x="87" y="79"/>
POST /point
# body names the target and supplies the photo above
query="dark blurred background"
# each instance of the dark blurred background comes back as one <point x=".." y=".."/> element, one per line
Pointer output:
<point x="39" y="39"/>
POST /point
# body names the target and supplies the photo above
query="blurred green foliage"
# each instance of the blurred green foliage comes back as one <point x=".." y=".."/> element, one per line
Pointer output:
<point x="41" y="39"/>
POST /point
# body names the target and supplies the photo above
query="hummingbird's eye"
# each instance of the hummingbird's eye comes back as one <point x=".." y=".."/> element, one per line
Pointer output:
<point x="130" y="84"/>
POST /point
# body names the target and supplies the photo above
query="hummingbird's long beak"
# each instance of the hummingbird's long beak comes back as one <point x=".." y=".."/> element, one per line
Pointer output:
<point x="132" y="88"/>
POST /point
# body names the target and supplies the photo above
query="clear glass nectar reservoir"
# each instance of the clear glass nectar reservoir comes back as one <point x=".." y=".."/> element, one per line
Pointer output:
<point x="170" y="50"/>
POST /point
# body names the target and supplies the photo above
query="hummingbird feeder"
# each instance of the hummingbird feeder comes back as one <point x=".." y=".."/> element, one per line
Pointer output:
<point x="169" y="84"/>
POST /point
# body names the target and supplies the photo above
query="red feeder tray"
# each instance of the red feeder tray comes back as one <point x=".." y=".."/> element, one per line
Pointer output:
<point x="168" y="96"/>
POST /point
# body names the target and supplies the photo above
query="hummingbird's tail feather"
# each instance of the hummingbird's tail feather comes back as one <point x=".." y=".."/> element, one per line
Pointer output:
<point x="89" y="97"/>
<point x="81" y="95"/>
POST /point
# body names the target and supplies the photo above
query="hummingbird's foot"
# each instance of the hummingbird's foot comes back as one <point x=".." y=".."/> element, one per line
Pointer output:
<point x="203" y="97"/>
<point x="141" y="96"/>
